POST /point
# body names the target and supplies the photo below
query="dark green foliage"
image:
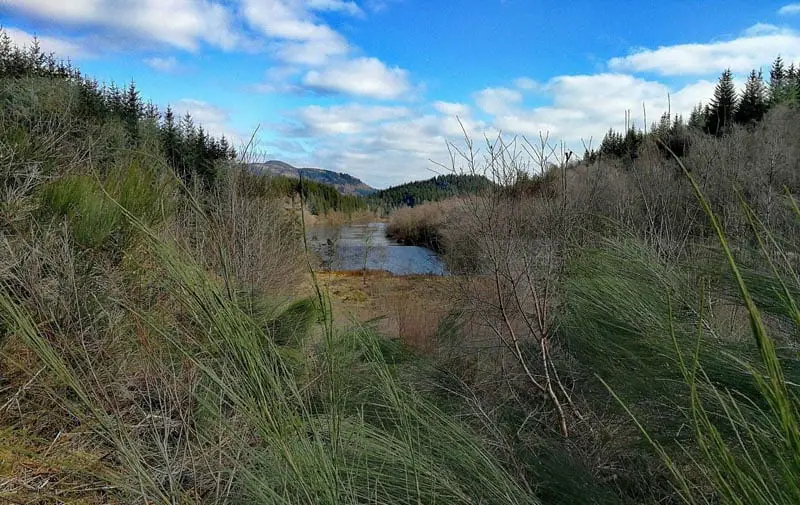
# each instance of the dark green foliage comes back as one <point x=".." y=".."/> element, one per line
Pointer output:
<point x="94" y="208"/>
<point x="323" y="198"/>
<point x="318" y="197"/>
<point x="622" y="146"/>
<point x="754" y="100"/>
<point x="344" y="183"/>
<point x="189" y="151"/>
<point x="431" y="190"/>
<point x="784" y="84"/>
<point x="717" y="117"/>
<point x="723" y="105"/>
<point x="777" y="81"/>
<point x="697" y="119"/>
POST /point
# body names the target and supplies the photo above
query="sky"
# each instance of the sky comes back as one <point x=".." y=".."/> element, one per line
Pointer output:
<point x="376" y="88"/>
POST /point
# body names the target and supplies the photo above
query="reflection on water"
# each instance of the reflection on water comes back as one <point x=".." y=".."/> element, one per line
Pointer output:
<point x="352" y="247"/>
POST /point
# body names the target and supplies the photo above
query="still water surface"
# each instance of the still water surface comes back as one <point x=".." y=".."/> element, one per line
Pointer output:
<point x="350" y="247"/>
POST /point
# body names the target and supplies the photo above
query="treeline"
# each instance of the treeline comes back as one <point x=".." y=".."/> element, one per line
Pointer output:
<point x="188" y="148"/>
<point x="320" y="198"/>
<point x="431" y="190"/>
<point x="724" y="110"/>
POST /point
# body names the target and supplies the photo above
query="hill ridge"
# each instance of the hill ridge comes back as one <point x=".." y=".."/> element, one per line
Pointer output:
<point x="343" y="182"/>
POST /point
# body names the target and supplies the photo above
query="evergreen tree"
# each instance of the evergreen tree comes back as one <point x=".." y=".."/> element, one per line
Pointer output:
<point x="753" y="105"/>
<point x="150" y="112"/>
<point x="663" y="127"/>
<point x="723" y="104"/>
<point x="697" y="118"/>
<point x="132" y="112"/>
<point x="777" y="81"/>
<point x="113" y="97"/>
<point x="204" y="159"/>
<point x="92" y="104"/>
<point x="613" y="144"/>
<point x="792" y="85"/>
<point x="171" y="139"/>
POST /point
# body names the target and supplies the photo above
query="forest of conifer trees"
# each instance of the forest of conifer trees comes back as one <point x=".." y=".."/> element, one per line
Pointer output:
<point x="727" y="107"/>
<point x="188" y="148"/>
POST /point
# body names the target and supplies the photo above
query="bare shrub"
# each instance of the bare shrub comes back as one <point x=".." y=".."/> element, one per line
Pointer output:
<point x="513" y="248"/>
<point x="252" y="235"/>
<point x="421" y="225"/>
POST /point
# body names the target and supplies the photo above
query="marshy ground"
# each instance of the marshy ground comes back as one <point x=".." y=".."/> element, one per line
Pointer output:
<point x="408" y="308"/>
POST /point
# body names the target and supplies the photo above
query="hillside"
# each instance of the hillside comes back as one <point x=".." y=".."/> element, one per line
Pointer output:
<point x="345" y="183"/>
<point x="431" y="190"/>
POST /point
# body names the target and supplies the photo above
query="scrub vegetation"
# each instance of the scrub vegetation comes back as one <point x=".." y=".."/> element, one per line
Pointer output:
<point x="619" y="329"/>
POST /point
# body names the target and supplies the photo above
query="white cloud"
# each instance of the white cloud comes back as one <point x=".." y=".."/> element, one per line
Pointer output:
<point x="300" y="37"/>
<point x="366" y="77"/>
<point x="389" y="145"/>
<point x="166" y="65"/>
<point x="313" y="52"/>
<point x="61" y="47"/>
<point x="757" y="47"/>
<point x="585" y="106"/>
<point x="214" y="120"/>
<point x="181" y="23"/>
<point x="763" y="29"/>
<point x="497" y="101"/>
<point x="451" y="109"/>
<point x="336" y="5"/>
<point x="526" y="83"/>
<point x="346" y="119"/>
<point x="401" y="142"/>
<point x="790" y="9"/>
<point x="291" y="29"/>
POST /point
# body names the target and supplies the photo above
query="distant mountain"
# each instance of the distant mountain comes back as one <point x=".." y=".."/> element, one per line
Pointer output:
<point x="431" y="190"/>
<point x="344" y="183"/>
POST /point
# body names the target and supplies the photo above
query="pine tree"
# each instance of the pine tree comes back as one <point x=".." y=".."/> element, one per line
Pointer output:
<point x="792" y="85"/>
<point x="171" y="140"/>
<point x="777" y="81"/>
<point x="150" y="112"/>
<point x="114" y="99"/>
<point x="132" y="110"/>
<point x="722" y="108"/>
<point x="753" y="105"/>
<point x="663" y="127"/>
<point x="36" y="58"/>
<point x="697" y="118"/>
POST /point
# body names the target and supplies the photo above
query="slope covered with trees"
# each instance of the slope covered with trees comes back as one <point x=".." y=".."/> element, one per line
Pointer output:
<point x="318" y="198"/>
<point x="430" y="190"/>
<point x="345" y="183"/>
<point x="187" y="147"/>
<point x="726" y="108"/>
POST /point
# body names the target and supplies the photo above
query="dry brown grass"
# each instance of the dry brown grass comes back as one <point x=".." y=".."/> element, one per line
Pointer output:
<point x="421" y="225"/>
<point x="255" y="237"/>
<point x="409" y="308"/>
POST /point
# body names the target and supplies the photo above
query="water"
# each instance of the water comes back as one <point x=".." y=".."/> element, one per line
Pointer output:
<point x="348" y="247"/>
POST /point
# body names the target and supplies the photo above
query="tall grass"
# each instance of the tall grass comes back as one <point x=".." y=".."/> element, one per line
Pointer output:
<point x="167" y="338"/>
<point x="747" y="450"/>
<point x="234" y="408"/>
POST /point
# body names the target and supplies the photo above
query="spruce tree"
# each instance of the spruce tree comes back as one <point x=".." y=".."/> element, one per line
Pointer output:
<point x="792" y="85"/>
<point x="753" y="105"/>
<point x="131" y="112"/>
<point x="777" y="81"/>
<point x="722" y="108"/>
<point x="697" y="118"/>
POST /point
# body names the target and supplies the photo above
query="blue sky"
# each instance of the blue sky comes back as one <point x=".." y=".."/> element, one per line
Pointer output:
<point x="375" y="87"/>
